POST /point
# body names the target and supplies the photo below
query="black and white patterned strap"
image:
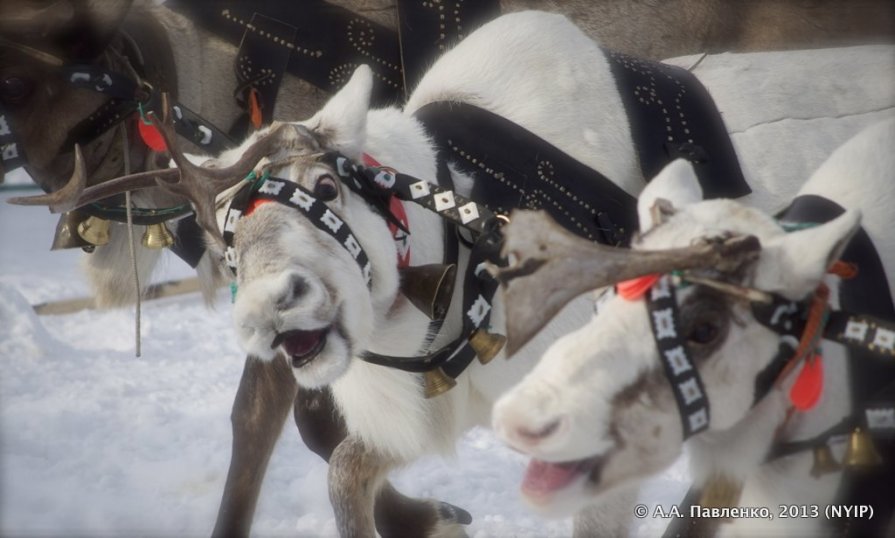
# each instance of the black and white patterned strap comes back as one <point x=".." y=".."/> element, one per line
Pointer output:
<point x="378" y="184"/>
<point x="293" y="195"/>
<point x="12" y="154"/>
<point x="686" y="383"/>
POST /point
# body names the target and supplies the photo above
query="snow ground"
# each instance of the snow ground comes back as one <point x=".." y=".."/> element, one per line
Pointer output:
<point x="96" y="442"/>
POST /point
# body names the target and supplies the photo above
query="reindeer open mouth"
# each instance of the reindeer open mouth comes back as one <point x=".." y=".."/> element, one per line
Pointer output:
<point x="302" y="346"/>
<point x="543" y="479"/>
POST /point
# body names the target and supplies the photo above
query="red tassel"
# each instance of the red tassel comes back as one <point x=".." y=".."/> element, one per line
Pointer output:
<point x="806" y="391"/>
<point x="151" y="136"/>
<point x="636" y="287"/>
<point x="255" y="109"/>
<point x="255" y="204"/>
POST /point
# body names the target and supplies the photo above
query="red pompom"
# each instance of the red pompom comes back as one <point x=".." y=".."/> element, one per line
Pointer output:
<point x="636" y="287"/>
<point x="151" y="136"/>
<point x="806" y="391"/>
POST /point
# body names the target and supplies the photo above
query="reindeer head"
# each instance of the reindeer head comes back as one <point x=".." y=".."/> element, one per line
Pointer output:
<point x="599" y="410"/>
<point x="42" y="108"/>
<point x="300" y="291"/>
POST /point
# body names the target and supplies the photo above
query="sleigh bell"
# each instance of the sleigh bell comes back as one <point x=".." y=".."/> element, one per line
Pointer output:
<point x="486" y="345"/>
<point x="94" y="230"/>
<point x="67" y="232"/>
<point x="436" y="382"/>
<point x="860" y="451"/>
<point x="721" y="490"/>
<point x="824" y="462"/>
<point x="157" y="236"/>
<point x="429" y="288"/>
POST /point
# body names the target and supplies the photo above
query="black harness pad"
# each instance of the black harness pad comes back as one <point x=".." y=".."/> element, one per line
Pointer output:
<point x="514" y="168"/>
<point x="428" y="29"/>
<point x="673" y="116"/>
<point x="261" y="62"/>
<point x="330" y="41"/>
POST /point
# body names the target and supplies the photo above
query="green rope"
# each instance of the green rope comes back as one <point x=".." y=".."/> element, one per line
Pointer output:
<point x="789" y="227"/>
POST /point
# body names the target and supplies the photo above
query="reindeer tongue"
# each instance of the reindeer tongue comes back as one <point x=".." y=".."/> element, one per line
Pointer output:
<point x="543" y="478"/>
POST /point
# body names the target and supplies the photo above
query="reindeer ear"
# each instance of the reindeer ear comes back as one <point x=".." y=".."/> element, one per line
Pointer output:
<point x="342" y="123"/>
<point x="676" y="184"/>
<point x="794" y="264"/>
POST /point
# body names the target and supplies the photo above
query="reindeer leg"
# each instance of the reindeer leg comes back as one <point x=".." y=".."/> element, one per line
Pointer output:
<point x="322" y="429"/>
<point x="611" y="517"/>
<point x="355" y="473"/>
<point x="263" y="400"/>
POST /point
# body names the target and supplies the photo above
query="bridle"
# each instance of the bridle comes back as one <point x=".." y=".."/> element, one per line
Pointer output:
<point x="378" y="186"/>
<point x="800" y="324"/>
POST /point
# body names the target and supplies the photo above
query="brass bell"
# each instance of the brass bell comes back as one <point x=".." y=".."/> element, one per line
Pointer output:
<point x="429" y="287"/>
<point x="436" y="382"/>
<point x="94" y="230"/>
<point x="721" y="490"/>
<point x="157" y="236"/>
<point x="67" y="231"/>
<point x="824" y="462"/>
<point x="486" y="345"/>
<point x="860" y="451"/>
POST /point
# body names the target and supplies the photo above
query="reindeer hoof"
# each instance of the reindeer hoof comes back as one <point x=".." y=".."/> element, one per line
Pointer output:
<point x="450" y="513"/>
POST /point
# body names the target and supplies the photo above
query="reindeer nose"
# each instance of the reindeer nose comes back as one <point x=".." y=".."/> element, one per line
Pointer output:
<point x="528" y="429"/>
<point x="534" y="436"/>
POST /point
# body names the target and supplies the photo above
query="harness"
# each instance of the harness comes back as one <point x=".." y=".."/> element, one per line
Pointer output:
<point x="512" y="168"/>
<point x="322" y="43"/>
<point x="869" y="337"/>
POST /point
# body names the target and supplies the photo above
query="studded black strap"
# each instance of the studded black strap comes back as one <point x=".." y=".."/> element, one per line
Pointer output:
<point x="514" y="168"/>
<point x="428" y="29"/>
<point x="260" y="66"/>
<point x="329" y="43"/>
<point x="672" y="115"/>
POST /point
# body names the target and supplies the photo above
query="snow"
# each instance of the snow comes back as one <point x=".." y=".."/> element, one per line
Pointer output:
<point x="97" y="442"/>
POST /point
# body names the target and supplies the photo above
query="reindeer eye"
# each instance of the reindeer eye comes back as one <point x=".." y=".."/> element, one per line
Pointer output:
<point x="705" y="322"/>
<point x="14" y="89"/>
<point x="325" y="189"/>
<point x="704" y="333"/>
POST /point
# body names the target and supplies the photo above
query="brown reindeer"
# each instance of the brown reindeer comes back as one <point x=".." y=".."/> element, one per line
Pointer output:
<point x="175" y="56"/>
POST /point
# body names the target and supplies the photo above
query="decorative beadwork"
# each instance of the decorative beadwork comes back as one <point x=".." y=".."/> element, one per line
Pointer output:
<point x="273" y="38"/>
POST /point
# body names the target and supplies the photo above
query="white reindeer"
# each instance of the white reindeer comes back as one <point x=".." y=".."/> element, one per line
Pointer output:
<point x="302" y="298"/>
<point x="598" y="407"/>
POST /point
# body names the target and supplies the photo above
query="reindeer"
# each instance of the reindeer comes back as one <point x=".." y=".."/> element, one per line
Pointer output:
<point x="303" y="300"/>
<point x="196" y="57"/>
<point x="598" y="412"/>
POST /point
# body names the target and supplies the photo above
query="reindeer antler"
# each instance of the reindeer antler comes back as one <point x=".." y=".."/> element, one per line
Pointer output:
<point x="554" y="266"/>
<point x="199" y="184"/>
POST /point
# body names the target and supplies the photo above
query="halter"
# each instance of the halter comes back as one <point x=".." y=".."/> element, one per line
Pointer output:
<point x="801" y="325"/>
<point x="378" y="186"/>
